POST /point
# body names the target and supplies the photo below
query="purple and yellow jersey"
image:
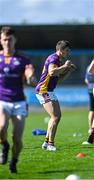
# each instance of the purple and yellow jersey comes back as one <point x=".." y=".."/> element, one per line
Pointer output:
<point x="47" y="82"/>
<point x="11" y="77"/>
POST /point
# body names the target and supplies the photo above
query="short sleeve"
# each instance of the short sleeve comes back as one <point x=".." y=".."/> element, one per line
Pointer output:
<point x="53" y="60"/>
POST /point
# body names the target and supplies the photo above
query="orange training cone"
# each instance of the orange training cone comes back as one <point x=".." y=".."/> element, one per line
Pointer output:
<point x="80" y="155"/>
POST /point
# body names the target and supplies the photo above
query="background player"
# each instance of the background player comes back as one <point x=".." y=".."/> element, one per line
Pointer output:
<point x="89" y="80"/>
<point x="52" y="71"/>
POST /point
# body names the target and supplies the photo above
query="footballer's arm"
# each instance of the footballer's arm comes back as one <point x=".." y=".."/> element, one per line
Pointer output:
<point x="54" y="70"/>
<point x="30" y="75"/>
<point x="91" y="67"/>
<point x="67" y="73"/>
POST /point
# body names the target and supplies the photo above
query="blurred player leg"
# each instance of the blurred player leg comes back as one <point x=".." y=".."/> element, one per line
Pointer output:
<point x="18" y="127"/>
<point x="4" y="121"/>
<point x="18" y="120"/>
<point x="91" y="136"/>
<point x="90" y="119"/>
<point x="53" y="109"/>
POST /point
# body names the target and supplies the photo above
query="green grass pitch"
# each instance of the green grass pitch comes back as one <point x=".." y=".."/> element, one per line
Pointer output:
<point x="35" y="163"/>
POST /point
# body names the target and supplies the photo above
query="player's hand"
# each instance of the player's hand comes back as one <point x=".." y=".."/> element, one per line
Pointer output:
<point x="73" y="67"/>
<point x="68" y="63"/>
<point x="29" y="71"/>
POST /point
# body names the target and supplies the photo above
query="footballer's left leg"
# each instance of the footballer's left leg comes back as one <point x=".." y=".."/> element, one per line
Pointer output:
<point x="18" y="121"/>
<point x="91" y="119"/>
<point x="18" y="128"/>
<point x="91" y="136"/>
<point x="53" y="109"/>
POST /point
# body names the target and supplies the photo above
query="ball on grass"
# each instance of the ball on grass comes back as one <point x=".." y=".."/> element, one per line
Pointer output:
<point x="72" y="177"/>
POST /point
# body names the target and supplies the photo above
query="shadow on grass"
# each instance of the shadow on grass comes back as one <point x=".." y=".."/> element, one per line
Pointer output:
<point x="65" y="171"/>
<point x="75" y="146"/>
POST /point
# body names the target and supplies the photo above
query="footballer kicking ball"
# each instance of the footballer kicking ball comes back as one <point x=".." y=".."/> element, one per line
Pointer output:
<point x="72" y="177"/>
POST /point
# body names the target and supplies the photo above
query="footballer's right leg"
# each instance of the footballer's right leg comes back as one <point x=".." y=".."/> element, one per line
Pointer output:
<point x="90" y="139"/>
<point x="4" y="121"/>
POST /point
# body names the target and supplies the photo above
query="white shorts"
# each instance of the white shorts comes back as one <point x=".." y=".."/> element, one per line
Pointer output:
<point x="46" y="97"/>
<point x="14" y="109"/>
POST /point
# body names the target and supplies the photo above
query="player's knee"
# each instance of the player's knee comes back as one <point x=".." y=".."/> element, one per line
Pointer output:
<point x="58" y="117"/>
<point x="17" y="141"/>
<point x="92" y="130"/>
<point x="2" y="128"/>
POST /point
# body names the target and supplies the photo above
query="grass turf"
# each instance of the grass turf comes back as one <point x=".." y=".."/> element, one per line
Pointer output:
<point x="35" y="163"/>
